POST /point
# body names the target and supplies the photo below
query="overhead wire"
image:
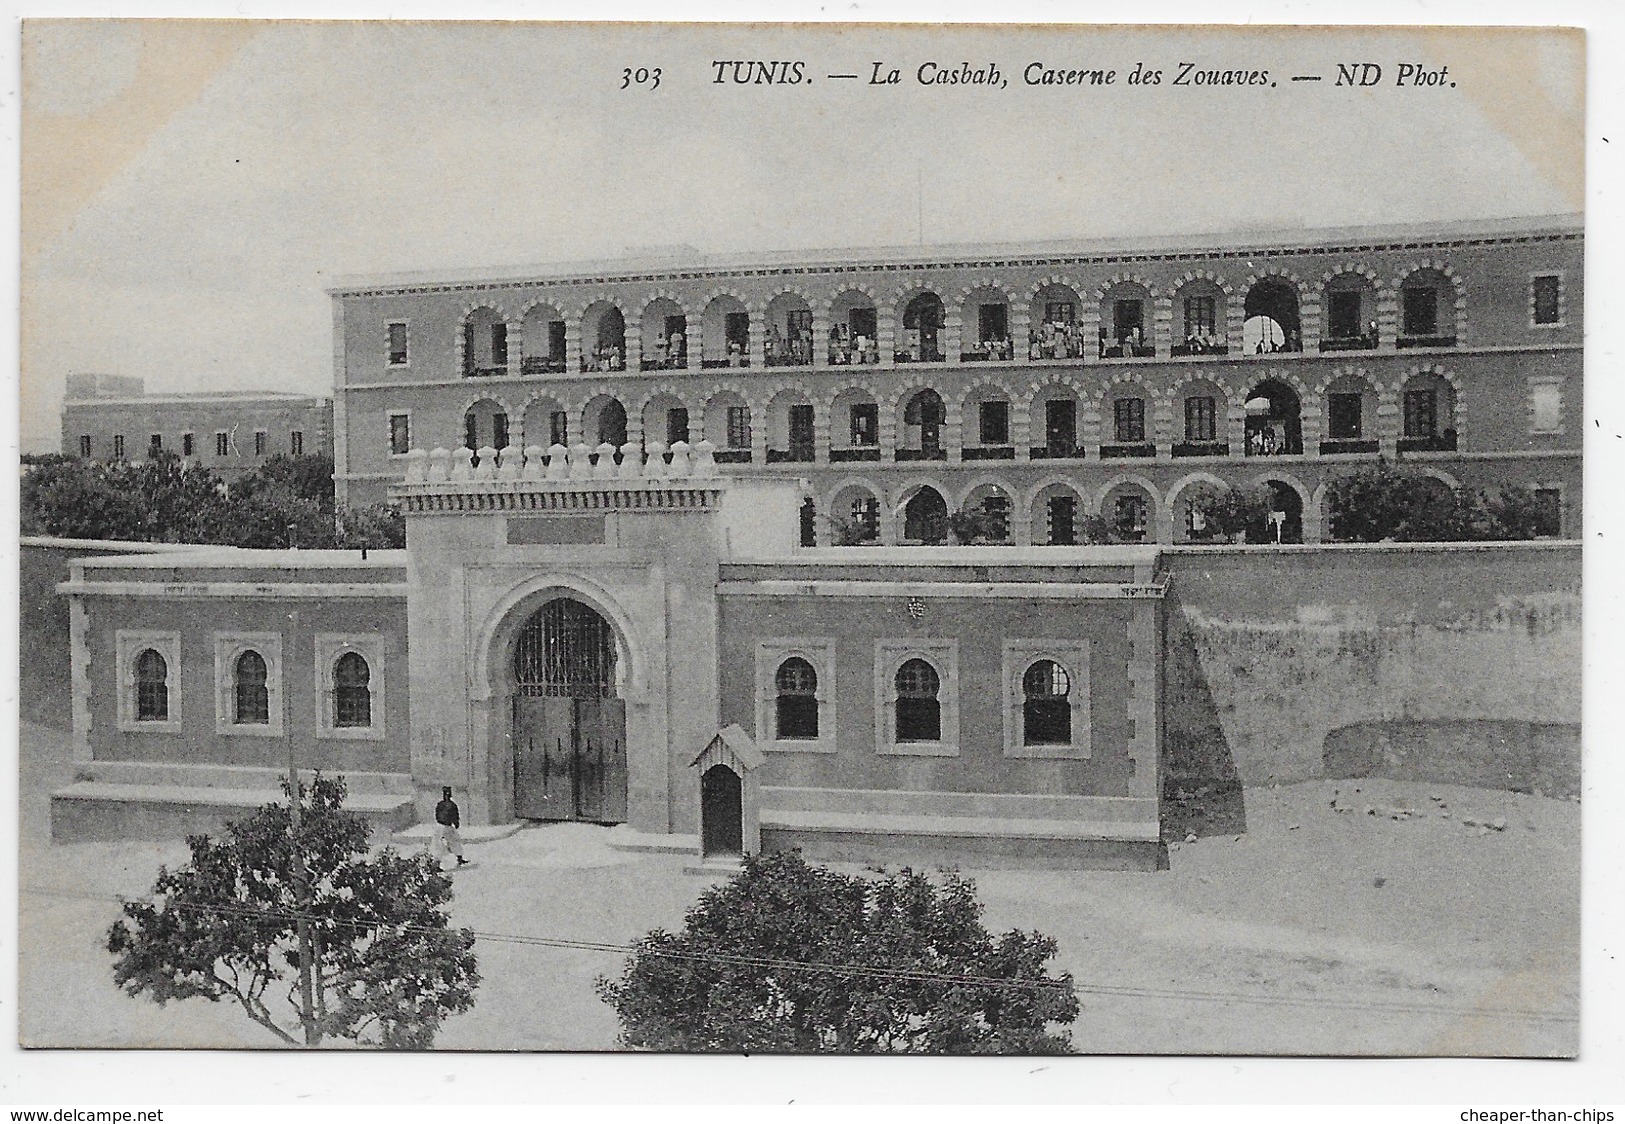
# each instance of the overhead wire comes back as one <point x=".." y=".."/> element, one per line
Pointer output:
<point x="712" y="956"/>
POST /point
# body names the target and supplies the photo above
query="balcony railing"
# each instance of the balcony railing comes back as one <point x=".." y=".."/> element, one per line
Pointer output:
<point x="988" y="351"/>
<point x="607" y="361"/>
<point x="1198" y="347"/>
<point x="542" y="365"/>
<point x="1126" y="350"/>
<point x="844" y="355"/>
<point x="934" y="453"/>
<point x="656" y="363"/>
<point x="1267" y="445"/>
<point x="789" y="353"/>
<point x="1113" y="452"/>
<point x="732" y="456"/>
<point x="1055" y="452"/>
<point x="988" y="453"/>
<point x="848" y="456"/>
<point x="797" y="453"/>
<point x="907" y="355"/>
<point x="1425" y="341"/>
<point x="1349" y="343"/>
<point x="1335" y="445"/>
<point x="1438" y="443"/>
<point x="1202" y="449"/>
<point x="473" y="372"/>
<point x="731" y="361"/>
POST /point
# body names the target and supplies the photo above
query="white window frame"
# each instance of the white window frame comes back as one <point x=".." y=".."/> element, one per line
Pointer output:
<point x="820" y="653"/>
<point x="407" y="362"/>
<point x="330" y="646"/>
<point x="891" y="654"/>
<point x="228" y="646"/>
<point x="1537" y="382"/>
<point x="1562" y="300"/>
<point x="389" y="428"/>
<point x="128" y="645"/>
<point x="1073" y="657"/>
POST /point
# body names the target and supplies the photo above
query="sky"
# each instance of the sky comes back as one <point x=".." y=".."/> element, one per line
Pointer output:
<point x="190" y="189"/>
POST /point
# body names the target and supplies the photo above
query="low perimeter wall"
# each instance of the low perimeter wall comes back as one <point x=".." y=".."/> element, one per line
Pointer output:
<point x="1456" y="663"/>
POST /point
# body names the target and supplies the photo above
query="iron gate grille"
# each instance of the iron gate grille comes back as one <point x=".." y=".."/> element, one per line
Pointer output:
<point x="565" y="650"/>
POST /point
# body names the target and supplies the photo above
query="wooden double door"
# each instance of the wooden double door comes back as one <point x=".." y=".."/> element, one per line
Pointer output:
<point x="569" y="727"/>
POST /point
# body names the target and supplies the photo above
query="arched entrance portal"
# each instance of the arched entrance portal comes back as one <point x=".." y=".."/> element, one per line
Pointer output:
<point x="569" y="728"/>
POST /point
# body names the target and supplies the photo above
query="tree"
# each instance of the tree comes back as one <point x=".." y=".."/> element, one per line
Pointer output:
<point x="1384" y="503"/>
<point x="387" y="968"/>
<point x="1232" y="512"/>
<point x="910" y="969"/>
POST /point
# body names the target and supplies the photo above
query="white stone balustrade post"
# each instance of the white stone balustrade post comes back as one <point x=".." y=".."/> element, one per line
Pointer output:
<point x="461" y="468"/>
<point x="511" y="464"/>
<point x="580" y="461"/>
<point x="680" y="466"/>
<point x="655" y="467"/>
<point x="605" y="468"/>
<point x="439" y="466"/>
<point x="705" y="465"/>
<point x="487" y="468"/>
<point x="417" y="467"/>
<point x="535" y="468"/>
<point x="631" y="461"/>
<point x="558" y="462"/>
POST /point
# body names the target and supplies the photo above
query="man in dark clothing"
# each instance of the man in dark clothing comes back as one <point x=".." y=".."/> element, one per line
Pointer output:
<point x="448" y="819"/>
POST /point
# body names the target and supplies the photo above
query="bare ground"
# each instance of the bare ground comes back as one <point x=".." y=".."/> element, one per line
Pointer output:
<point x="1318" y="931"/>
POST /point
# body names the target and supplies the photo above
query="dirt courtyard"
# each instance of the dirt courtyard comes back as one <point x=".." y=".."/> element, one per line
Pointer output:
<point x="1321" y="930"/>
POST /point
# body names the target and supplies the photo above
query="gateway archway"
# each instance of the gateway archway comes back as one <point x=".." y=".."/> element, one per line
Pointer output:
<point x="569" y="723"/>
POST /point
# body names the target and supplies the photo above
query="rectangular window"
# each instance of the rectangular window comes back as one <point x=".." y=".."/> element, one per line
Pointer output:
<point x="400" y="434"/>
<point x="558" y="427"/>
<point x="1546" y="401"/>
<point x="1059" y="312"/>
<point x="865" y="424"/>
<point x="397" y="344"/>
<point x="84" y="445"/>
<point x="992" y="321"/>
<point x="555" y="340"/>
<point x="736" y="329"/>
<point x="1421" y="413"/>
<point x="471" y="431"/>
<point x="995" y="423"/>
<point x="222" y="444"/>
<point x="155" y="444"/>
<point x="1062" y="517"/>
<point x="1421" y="312"/>
<point x="1549" y="512"/>
<point x="499" y="345"/>
<point x="801" y="432"/>
<point x="1201" y="316"/>
<point x="1061" y="427"/>
<point x="861" y="322"/>
<point x="499" y="431"/>
<point x="1199" y="424"/>
<point x="1345" y="416"/>
<point x="118" y="446"/>
<point x="1344" y="313"/>
<point x="1128" y="420"/>
<point x="296" y="443"/>
<point x="1129" y="316"/>
<point x="1548" y="310"/>
<point x="676" y="425"/>
<point x="260" y="442"/>
<point x="188" y="444"/>
<point x="738" y="427"/>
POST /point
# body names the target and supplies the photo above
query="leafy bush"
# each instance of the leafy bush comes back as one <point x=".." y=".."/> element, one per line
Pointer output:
<point x="1385" y="503"/>
<point x="1234" y="512"/>
<point x="387" y="967"/>
<point x="798" y="958"/>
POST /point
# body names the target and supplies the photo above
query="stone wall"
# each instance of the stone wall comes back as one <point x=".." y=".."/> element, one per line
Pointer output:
<point x="1447" y="662"/>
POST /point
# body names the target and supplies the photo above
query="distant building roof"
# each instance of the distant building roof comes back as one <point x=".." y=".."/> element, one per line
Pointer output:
<point x="203" y="398"/>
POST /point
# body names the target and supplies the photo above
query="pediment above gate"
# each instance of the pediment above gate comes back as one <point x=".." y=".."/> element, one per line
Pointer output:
<point x="731" y="747"/>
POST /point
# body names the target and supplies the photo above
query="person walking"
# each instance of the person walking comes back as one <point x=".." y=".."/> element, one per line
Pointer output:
<point x="448" y="819"/>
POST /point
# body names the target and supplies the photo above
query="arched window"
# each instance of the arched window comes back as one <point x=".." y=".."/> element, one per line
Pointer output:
<point x="151" y="687"/>
<point x="352" y="691"/>
<point x="919" y="712"/>
<point x="1046" y="709"/>
<point x="797" y="699"/>
<point x="253" y="697"/>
